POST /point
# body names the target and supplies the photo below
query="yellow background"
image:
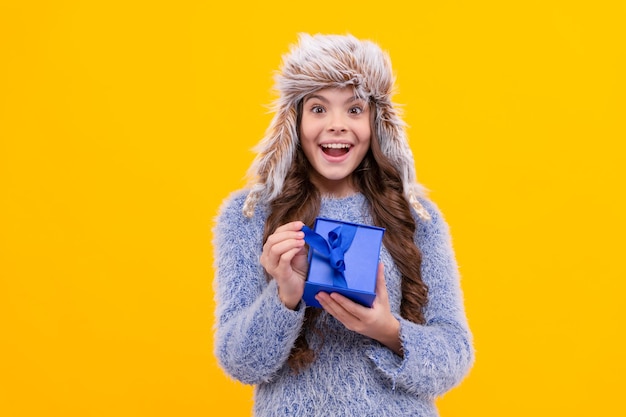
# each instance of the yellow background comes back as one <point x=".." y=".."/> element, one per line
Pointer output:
<point x="124" y="124"/>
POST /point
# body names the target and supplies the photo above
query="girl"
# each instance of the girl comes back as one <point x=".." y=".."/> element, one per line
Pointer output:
<point x="336" y="148"/>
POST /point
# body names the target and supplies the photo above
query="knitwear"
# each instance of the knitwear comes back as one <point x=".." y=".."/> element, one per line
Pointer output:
<point x="352" y="375"/>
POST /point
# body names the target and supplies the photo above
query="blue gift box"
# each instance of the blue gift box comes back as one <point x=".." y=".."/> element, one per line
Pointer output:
<point x="343" y="258"/>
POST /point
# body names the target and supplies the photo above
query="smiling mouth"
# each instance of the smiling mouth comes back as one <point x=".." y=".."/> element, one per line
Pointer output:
<point x="335" y="149"/>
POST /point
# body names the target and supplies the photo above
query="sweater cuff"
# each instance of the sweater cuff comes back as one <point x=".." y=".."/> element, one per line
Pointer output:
<point x="387" y="361"/>
<point x="276" y="305"/>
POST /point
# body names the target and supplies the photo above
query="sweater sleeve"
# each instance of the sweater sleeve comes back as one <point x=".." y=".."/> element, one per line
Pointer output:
<point x="439" y="353"/>
<point x="254" y="330"/>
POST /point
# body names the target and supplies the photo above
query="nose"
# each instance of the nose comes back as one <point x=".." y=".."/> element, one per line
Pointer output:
<point x="337" y="123"/>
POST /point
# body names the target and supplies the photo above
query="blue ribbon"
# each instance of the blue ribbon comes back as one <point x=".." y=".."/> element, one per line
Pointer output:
<point x="339" y="241"/>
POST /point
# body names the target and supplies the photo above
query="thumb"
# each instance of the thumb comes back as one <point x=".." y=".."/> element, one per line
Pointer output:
<point x="381" y="285"/>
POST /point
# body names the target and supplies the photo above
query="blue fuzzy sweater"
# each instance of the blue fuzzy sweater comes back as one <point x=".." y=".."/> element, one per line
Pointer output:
<point x="352" y="375"/>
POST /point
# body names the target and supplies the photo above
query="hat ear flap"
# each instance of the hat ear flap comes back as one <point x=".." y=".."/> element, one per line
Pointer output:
<point x="275" y="154"/>
<point x="394" y="144"/>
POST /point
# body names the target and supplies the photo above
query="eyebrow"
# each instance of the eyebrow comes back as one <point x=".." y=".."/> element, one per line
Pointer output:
<point x="323" y="99"/>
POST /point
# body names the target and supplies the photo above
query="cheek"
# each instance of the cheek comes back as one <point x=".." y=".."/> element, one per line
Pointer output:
<point x="306" y="140"/>
<point x="307" y="143"/>
<point x="309" y="136"/>
<point x="364" y="131"/>
<point x="308" y="131"/>
<point x="366" y="136"/>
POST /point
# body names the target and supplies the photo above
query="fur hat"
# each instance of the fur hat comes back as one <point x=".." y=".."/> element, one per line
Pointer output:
<point x="322" y="61"/>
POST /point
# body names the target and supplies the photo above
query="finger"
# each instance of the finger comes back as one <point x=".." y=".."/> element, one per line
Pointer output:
<point x="351" y="307"/>
<point x="280" y="242"/>
<point x="382" y="296"/>
<point x="381" y="284"/>
<point x="278" y="249"/>
<point x="280" y="236"/>
<point x="331" y="306"/>
<point x="291" y="226"/>
<point x="284" y="262"/>
<point x="281" y="252"/>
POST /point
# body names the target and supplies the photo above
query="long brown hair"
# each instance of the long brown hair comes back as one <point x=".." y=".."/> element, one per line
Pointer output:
<point x="381" y="184"/>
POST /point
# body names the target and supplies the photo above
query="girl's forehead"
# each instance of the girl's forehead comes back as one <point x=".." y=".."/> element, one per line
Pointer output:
<point x="348" y="93"/>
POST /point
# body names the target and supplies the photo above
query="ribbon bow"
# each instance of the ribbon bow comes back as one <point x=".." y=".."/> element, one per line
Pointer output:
<point x="339" y="241"/>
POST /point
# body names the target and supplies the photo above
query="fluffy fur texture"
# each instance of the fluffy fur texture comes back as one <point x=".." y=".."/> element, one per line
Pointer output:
<point x="352" y="375"/>
<point x="318" y="62"/>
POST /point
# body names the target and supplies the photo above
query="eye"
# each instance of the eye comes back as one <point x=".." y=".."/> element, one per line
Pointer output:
<point x="317" y="109"/>
<point x="355" y="110"/>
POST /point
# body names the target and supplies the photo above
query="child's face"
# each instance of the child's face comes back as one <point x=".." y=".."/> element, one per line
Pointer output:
<point x="335" y="135"/>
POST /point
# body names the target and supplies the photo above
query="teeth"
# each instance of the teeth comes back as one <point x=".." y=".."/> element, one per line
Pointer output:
<point x="335" y="145"/>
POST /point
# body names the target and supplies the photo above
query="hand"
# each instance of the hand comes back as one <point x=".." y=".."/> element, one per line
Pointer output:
<point x="284" y="258"/>
<point x="376" y="322"/>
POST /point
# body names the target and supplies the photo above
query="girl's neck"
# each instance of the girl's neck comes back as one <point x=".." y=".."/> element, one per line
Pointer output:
<point x="335" y="189"/>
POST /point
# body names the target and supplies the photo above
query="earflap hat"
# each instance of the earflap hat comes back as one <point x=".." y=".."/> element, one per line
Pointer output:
<point x="330" y="61"/>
